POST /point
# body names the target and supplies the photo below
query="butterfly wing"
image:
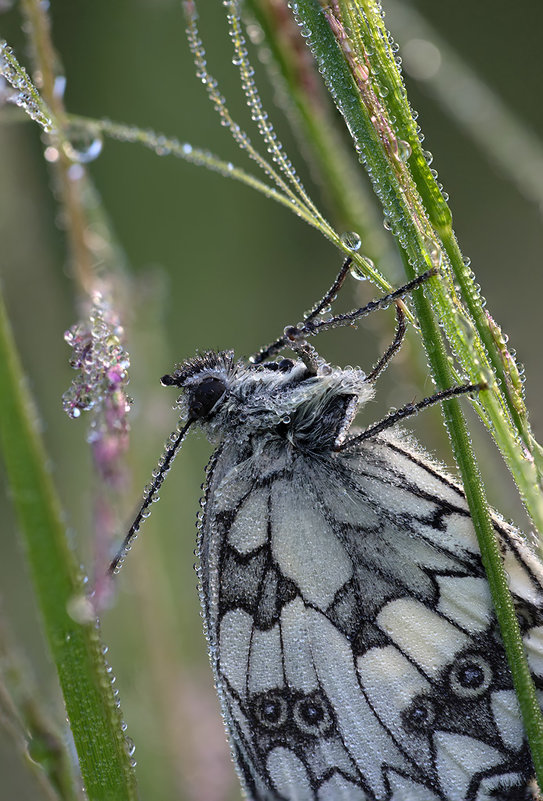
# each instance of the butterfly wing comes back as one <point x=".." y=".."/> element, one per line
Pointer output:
<point x="351" y="631"/>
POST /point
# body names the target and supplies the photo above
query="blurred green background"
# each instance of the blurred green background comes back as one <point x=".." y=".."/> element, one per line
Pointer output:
<point x="217" y="265"/>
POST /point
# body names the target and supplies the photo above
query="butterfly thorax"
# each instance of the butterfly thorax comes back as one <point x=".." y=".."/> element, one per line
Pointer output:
<point x="277" y="399"/>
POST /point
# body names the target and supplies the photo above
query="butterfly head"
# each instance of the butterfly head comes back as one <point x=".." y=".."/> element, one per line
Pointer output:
<point x="204" y="382"/>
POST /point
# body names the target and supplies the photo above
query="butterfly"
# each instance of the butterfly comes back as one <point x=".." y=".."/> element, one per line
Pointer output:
<point x="351" y="633"/>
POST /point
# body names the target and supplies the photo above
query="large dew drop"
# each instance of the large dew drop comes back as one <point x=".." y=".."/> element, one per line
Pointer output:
<point x="351" y="240"/>
<point x="357" y="270"/>
<point x="83" y="146"/>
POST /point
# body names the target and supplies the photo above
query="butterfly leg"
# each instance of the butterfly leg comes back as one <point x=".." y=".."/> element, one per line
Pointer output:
<point x="409" y="410"/>
<point x="310" y="326"/>
<point x="306" y="352"/>
<point x="393" y="347"/>
<point x="329" y="297"/>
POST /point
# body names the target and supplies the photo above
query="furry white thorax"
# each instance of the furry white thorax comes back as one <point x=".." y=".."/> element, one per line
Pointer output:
<point x="258" y="399"/>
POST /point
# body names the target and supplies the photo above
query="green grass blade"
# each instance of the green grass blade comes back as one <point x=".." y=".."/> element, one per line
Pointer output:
<point x="75" y="647"/>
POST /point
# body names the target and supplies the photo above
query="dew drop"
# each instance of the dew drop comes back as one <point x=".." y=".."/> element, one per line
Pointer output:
<point x="76" y="172"/>
<point x="404" y="149"/>
<point x="51" y="154"/>
<point x="80" y="609"/>
<point x="83" y="147"/>
<point x="59" y="86"/>
<point x="351" y="240"/>
<point x="422" y="59"/>
<point x="357" y="270"/>
<point x="130" y="746"/>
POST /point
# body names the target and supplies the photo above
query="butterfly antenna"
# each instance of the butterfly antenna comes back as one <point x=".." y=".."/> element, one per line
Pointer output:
<point x="150" y="494"/>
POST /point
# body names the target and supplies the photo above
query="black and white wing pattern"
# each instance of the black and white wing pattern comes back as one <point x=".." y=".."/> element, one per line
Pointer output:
<point x="355" y="650"/>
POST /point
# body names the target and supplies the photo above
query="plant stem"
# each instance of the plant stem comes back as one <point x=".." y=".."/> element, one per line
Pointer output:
<point x="30" y="728"/>
<point x="76" y="649"/>
<point x="47" y="63"/>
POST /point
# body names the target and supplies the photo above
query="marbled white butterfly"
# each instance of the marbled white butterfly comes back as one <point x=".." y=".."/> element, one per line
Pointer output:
<point x="350" y="627"/>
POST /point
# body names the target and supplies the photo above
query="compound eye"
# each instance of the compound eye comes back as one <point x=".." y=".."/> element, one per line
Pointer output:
<point x="205" y="395"/>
